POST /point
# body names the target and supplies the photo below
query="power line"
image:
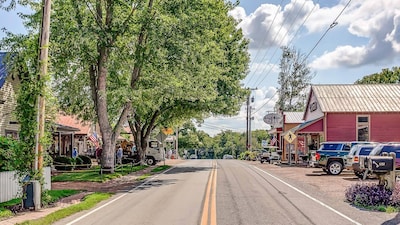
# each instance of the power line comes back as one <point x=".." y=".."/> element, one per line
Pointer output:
<point x="265" y="37"/>
<point x="265" y="103"/>
<point x="333" y="24"/>
<point x="276" y="35"/>
<point x="298" y="29"/>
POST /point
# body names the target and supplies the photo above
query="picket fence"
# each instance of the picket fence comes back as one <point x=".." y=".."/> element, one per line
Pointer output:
<point x="10" y="188"/>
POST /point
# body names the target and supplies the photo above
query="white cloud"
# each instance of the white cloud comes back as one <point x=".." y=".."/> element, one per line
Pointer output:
<point x="238" y="13"/>
<point x="270" y="25"/>
<point x="343" y="55"/>
<point x="394" y="36"/>
<point x="376" y="20"/>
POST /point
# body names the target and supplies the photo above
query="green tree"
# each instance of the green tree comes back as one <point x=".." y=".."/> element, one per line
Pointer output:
<point x="257" y="137"/>
<point x="228" y="142"/>
<point x="191" y="138"/>
<point x="387" y="76"/>
<point x="152" y="63"/>
<point x="199" y="65"/>
<point x="294" y="80"/>
<point x="22" y="62"/>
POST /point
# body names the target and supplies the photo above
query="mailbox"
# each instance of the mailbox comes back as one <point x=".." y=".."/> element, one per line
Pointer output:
<point x="380" y="163"/>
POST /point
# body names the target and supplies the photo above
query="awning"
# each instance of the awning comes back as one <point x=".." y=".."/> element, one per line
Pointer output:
<point x="65" y="129"/>
<point x="311" y="126"/>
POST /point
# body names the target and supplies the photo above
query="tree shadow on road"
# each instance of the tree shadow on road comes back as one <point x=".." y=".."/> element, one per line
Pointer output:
<point x="152" y="183"/>
<point x="394" y="221"/>
<point x="185" y="169"/>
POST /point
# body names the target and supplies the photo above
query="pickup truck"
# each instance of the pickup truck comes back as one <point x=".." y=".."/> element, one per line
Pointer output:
<point x="331" y="156"/>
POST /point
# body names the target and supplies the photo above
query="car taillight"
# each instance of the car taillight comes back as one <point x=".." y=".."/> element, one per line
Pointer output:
<point x="317" y="156"/>
<point x="355" y="159"/>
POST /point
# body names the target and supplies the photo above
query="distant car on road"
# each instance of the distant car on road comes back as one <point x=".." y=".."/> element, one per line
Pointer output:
<point x="227" y="156"/>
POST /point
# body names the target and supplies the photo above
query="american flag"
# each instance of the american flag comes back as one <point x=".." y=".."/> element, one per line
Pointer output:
<point x="273" y="141"/>
<point x="93" y="138"/>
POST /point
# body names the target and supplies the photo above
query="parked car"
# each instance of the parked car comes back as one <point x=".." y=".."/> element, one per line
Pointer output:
<point x="227" y="156"/>
<point x="265" y="156"/>
<point x="352" y="159"/>
<point x="380" y="149"/>
<point x="331" y="156"/>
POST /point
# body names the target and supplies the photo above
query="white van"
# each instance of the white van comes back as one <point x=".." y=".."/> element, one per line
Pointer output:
<point x="155" y="152"/>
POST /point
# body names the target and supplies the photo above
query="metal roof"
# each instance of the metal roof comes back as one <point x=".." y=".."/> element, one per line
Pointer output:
<point x="293" y="117"/>
<point x="358" y="97"/>
<point x="3" y="72"/>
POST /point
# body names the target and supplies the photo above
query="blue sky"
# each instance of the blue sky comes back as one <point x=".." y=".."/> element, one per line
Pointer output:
<point x="365" y="40"/>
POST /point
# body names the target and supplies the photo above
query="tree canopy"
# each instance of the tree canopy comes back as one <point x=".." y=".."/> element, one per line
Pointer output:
<point x="155" y="63"/>
<point x="387" y="76"/>
<point x="294" y="79"/>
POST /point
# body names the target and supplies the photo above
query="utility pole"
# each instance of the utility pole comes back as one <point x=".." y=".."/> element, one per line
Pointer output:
<point x="43" y="63"/>
<point x="248" y="120"/>
<point x="42" y="77"/>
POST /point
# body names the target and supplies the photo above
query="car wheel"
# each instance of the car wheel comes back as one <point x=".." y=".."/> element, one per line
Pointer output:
<point x="335" y="168"/>
<point x="150" y="161"/>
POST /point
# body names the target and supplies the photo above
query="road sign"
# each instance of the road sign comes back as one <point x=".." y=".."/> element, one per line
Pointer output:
<point x="290" y="136"/>
<point x="273" y="119"/>
<point x="167" y="130"/>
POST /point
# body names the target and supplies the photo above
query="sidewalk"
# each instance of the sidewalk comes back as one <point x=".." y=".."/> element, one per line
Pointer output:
<point x="31" y="215"/>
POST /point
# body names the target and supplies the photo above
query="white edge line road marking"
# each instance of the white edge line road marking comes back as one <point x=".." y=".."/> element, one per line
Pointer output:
<point x="310" y="197"/>
<point x="110" y="202"/>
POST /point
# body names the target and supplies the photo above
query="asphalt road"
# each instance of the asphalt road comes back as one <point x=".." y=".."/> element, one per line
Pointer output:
<point x="225" y="192"/>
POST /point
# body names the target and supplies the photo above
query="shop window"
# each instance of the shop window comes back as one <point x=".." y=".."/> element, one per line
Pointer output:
<point x="362" y="128"/>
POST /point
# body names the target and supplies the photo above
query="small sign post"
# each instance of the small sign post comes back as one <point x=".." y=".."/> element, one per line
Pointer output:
<point x="290" y="137"/>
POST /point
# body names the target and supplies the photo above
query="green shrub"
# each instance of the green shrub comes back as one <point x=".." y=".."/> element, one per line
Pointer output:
<point x="86" y="161"/>
<point x="8" y="151"/>
<point x="63" y="163"/>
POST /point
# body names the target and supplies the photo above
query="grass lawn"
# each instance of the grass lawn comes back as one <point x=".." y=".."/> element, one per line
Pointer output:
<point x="89" y="175"/>
<point x="88" y="202"/>
<point x="48" y="197"/>
<point x="93" y="175"/>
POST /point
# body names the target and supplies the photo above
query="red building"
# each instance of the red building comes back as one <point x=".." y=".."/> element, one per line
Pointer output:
<point x="348" y="112"/>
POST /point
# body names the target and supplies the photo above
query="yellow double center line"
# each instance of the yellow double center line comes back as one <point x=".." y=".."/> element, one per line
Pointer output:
<point x="209" y="215"/>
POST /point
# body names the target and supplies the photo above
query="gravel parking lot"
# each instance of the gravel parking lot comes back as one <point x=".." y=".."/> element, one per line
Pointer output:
<point x="329" y="185"/>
